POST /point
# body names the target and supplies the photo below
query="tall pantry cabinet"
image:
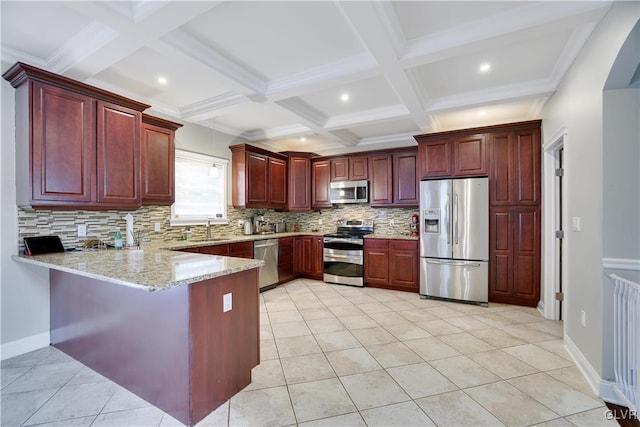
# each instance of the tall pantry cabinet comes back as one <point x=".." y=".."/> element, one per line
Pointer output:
<point x="510" y="155"/>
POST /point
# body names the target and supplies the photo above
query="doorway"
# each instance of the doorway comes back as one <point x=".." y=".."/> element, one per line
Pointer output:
<point x="555" y="244"/>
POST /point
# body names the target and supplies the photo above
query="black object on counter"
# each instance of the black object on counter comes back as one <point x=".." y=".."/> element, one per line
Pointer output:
<point x="42" y="245"/>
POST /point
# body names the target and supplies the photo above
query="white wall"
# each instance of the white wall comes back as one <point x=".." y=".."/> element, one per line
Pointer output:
<point x="578" y="105"/>
<point x="24" y="290"/>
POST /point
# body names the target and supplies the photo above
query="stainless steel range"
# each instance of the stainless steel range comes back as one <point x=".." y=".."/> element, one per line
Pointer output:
<point x="344" y="252"/>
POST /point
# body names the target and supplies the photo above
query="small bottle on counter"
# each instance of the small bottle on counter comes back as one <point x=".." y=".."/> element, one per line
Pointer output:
<point x="117" y="239"/>
<point x="188" y="234"/>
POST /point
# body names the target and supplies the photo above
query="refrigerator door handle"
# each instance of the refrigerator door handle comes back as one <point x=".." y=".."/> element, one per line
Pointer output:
<point x="457" y="264"/>
<point x="455" y="216"/>
<point x="449" y="222"/>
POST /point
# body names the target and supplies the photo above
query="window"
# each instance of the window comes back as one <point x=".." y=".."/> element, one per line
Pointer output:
<point x="201" y="191"/>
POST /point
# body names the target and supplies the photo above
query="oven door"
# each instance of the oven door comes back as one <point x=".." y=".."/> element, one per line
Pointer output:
<point x="344" y="267"/>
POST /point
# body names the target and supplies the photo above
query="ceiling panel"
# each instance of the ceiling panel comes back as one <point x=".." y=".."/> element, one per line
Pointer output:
<point x="389" y="127"/>
<point x="252" y="116"/>
<point x="365" y="94"/>
<point x="514" y="63"/>
<point x="38" y="28"/>
<point x="185" y="85"/>
<point x="421" y="18"/>
<point x="277" y="38"/>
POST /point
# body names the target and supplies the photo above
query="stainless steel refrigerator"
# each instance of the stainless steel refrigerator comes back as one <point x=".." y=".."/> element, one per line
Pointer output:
<point x="454" y="239"/>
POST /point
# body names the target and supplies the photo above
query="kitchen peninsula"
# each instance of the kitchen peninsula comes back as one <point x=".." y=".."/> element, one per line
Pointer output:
<point x="178" y="329"/>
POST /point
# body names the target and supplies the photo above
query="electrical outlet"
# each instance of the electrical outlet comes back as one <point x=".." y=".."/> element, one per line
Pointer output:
<point x="156" y="226"/>
<point x="319" y="222"/>
<point x="227" y="302"/>
<point x="241" y="223"/>
<point x="583" y="318"/>
<point x="82" y="231"/>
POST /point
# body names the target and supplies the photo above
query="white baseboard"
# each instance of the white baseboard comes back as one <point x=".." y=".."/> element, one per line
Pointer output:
<point x="602" y="388"/>
<point x="24" y="345"/>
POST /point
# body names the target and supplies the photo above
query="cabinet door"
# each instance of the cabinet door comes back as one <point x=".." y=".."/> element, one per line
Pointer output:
<point x="340" y="169"/>
<point x="62" y="147"/>
<point x="501" y="169"/>
<point x="241" y="250"/>
<point x="118" y="151"/>
<point x="501" y="226"/>
<point x="526" y="255"/>
<point x="526" y="167"/>
<point x="381" y="185"/>
<point x="277" y="183"/>
<point x="215" y="250"/>
<point x="403" y="265"/>
<point x="376" y="261"/>
<point x="320" y="184"/>
<point x="469" y="155"/>
<point x="405" y="178"/>
<point x="298" y="256"/>
<point x="257" y="179"/>
<point x="157" y="153"/>
<point x="307" y="255"/>
<point x="299" y="184"/>
<point x="358" y="168"/>
<point x="317" y="269"/>
<point x="285" y="259"/>
<point x="435" y="158"/>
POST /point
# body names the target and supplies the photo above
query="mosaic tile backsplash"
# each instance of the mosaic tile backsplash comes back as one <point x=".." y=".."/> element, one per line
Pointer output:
<point x="102" y="224"/>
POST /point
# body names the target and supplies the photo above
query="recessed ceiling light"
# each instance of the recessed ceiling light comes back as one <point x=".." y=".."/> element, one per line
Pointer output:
<point x="162" y="80"/>
<point x="344" y="97"/>
<point x="303" y="139"/>
<point x="482" y="113"/>
<point x="485" y="67"/>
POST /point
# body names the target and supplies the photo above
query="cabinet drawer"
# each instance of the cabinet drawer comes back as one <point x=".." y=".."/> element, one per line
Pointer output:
<point x="403" y="245"/>
<point x="376" y="244"/>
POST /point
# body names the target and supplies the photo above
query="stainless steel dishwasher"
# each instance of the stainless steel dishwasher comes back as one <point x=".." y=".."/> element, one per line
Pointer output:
<point x="267" y="251"/>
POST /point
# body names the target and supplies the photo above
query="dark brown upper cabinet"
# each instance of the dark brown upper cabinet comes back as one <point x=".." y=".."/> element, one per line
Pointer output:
<point x="353" y="168"/>
<point x="405" y="178"/>
<point x="259" y="178"/>
<point x="453" y="156"/>
<point x="298" y="181"/>
<point x="76" y="145"/>
<point x="320" y="178"/>
<point x="157" y="160"/>
<point x="381" y="182"/>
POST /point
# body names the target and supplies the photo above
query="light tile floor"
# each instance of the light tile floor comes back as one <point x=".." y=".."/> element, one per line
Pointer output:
<point x="343" y="356"/>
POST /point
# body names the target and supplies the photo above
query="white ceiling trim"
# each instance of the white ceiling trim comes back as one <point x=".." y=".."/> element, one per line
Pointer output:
<point x="92" y="37"/>
<point x="507" y="93"/>
<point x="368" y="22"/>
<point x="216" y="60"/>
<point x="577" y="39"/>
<point x="535" y="111"/>
<point x="215" y="125"/>
<point x="363" y="117"/>
<point x="209" y="107"/>
<point x="346" y="137"/>
<point x="353" y="67"/>
<point x="11" y="56"/>
<point x="276" y="132"/>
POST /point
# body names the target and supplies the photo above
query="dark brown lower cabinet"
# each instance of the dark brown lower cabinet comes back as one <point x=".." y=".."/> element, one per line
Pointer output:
<point x="391" y="264"/>
<point x="309" y="257"/>
<point x="514" y="247"/>
<point x="285" y="259"/>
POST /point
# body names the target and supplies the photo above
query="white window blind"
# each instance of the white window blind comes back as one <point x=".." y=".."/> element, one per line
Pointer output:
<point x="200" y="195"/>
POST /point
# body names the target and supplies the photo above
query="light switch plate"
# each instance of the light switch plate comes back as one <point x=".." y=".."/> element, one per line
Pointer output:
<point x="575" y="223"/>
<point x="227" y="302"/>
<point x="82" y="231"/>
<point x="156" y="226"/>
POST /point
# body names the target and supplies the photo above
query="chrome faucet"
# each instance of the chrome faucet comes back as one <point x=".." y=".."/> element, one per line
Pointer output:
<point x="208" y="229"/>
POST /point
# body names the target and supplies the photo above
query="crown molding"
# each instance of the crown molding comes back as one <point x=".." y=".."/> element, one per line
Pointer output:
<point x="536" y="88"/>
<point x="570" y="51"/>
<point x="535" y="111"/>
<point x="214" y="59"/>
<point x="217" y="126"/>
<point x="367" y="116"/>
<point x="207" y="107"/>
<point x="346" y="138"/>
<point x="90" y="39"/>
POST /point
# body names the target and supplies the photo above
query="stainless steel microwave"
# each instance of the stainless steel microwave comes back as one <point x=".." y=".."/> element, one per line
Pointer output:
<point x="349" y="192"/>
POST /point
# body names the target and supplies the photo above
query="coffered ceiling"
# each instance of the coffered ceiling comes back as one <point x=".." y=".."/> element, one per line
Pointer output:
<point x="274" y="73"/>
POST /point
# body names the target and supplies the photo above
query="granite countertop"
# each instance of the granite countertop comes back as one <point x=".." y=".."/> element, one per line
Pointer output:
<point x="184" y="244"/>
<point x="150" y="269"/>
<point x="392" y="236"/>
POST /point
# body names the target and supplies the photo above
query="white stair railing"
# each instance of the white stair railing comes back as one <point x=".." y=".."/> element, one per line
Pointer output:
<point x="626" y="342"/>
